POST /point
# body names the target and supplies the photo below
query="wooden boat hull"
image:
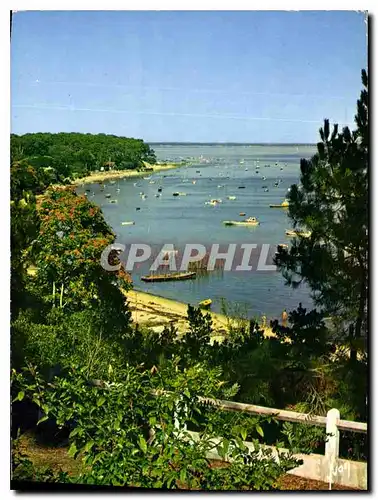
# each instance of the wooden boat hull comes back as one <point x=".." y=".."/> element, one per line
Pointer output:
<point x="169" y="277"/>
<point x="240" y="223"/>
<point x="279" y="206"/>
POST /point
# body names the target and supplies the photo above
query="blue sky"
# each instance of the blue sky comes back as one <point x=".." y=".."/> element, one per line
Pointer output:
<point x="186" y="76"/>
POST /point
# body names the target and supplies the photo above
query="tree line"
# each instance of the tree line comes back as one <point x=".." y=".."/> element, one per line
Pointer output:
<point x="40" y="159"/>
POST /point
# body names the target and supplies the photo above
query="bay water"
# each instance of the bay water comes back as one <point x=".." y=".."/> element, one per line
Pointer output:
<point x="216" y="171"/>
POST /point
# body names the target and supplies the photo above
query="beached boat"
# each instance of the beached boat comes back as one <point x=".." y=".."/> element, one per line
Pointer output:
<point x="128" y="223"/>
<point x="284" y="204"/>
<point x="297" y="232"/>
<point x="251" y="221"/>
<point x="169" y="277"/>
<point x="205" y="304"/>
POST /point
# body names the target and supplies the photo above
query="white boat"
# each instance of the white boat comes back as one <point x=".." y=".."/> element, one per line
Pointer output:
<point x="251" y="221"/>
<point x="231" y="197"/>
<point x="297" y="232"/>
<point x="284" y="204"/>
<point x="128" y="223"/>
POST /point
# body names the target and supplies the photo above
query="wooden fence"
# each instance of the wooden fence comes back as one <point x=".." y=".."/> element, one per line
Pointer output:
<point x="328" y="467"/>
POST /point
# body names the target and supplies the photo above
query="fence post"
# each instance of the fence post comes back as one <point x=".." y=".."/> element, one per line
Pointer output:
<point x="333" y="441"/>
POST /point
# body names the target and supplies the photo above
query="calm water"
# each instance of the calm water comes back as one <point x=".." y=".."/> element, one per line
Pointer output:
<point x="169" y="219"/>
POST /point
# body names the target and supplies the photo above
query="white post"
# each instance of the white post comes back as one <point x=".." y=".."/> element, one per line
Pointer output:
<point x="333" y="441"/>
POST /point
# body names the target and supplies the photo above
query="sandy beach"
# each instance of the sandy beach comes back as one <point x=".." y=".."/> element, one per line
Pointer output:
<point x="156" y="312"/>
<point x="120" y="174"/>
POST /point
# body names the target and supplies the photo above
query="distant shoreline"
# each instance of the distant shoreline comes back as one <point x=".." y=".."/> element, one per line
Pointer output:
<point x="120" y="174"/>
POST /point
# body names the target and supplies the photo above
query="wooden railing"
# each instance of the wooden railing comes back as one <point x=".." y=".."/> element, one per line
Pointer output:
<point x="328" y="467"/>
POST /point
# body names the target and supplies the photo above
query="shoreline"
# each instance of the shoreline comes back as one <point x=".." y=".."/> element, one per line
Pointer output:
<point x="156" y="312"/>
<point x="120" y="174"/>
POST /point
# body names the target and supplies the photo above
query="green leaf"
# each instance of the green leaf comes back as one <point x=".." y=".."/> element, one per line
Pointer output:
<point x="88" y="446"/>
<point x="74" y="432"/>
<point x="187" y="393"/>
<point x="183" y="475"/>
<point x="73" y="450"/>
<point x="143" y="444"/>
<point x="259" y="430"/>
<point x="45" y="417"/>
<point x="243" y="433"/>
<point x="100" y="401"/>
<point x="20" y="396"/>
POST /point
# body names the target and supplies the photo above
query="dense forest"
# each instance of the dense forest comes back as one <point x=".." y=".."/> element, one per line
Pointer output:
<point x="120" y="396"/>
<point x="41" y="159"/>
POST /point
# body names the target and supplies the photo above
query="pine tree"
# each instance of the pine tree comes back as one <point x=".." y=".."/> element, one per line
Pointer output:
<point x="331" y="201"/>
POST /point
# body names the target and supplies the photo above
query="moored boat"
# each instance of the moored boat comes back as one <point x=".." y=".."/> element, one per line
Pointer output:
<point x="298" y="232"/>
<point x="205" y="304"/>
<point x="284" y="204"/>
<point x="128" y="223"/>
<point x="169" y="277"/>
<point x="251" y="221"/>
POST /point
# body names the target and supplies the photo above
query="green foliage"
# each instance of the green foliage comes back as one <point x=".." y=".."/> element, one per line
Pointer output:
<point x="303" y="438"/>
<point x="129" y="430"/>
<point x="41" y="159"/>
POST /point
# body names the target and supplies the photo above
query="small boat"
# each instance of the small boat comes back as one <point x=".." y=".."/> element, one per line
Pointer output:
<point x="297" y="232"/>
<point x="198" y="171"/>
<point x="176" y="194"/>
<point x="87" y="190"/>
<point x="108" y="195"/>
<point x="284" y="204"/>
<point x="113" y="201"/>
<point x="152" y="182"/>
<point x="147" y="178"/>
<point x="264" y="178"/>
<point x="251" y="221"/>
<point x="157" y="195"/>
<point x="112" y="182"/>
<point x="220" y="186"/>
<point x="128" y="223"/>
<point x="118" y="190"/>
<point x="246" y="168"/>
<point x="241" y="187"/>
<point x="144" y="196"/>
<point x="137" y="208"/>
<point x="169" y="277"/>
<point x="242" y="214"/>
<point x="205" y="304"/>
<point x="160" y="190"/>
<point x="231" y="197"/>
<point x="193" y="182"/>
<point x="266" y="190"/>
